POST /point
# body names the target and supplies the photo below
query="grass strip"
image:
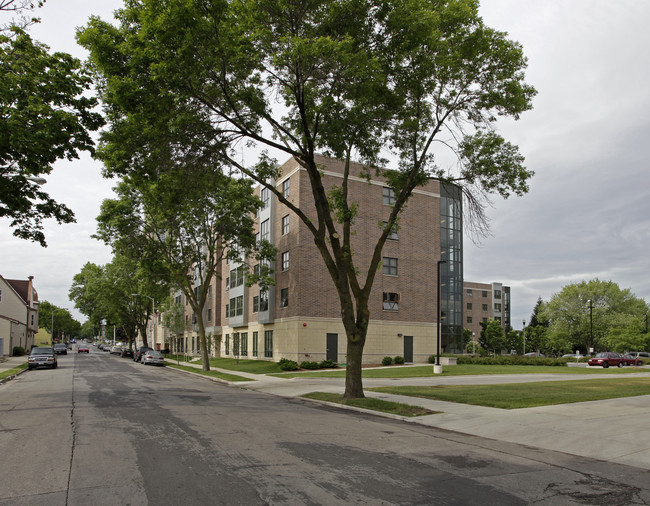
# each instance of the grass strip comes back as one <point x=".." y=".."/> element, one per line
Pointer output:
<point x="462" y="370"/>
<point x="526" y="395"/>
<point x="212" y="374"/>
<point x="394" y="408"/>
<point x="11" y="372"/>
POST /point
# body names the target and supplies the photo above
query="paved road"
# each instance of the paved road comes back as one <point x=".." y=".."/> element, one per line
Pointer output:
<point x="103" y="430"/>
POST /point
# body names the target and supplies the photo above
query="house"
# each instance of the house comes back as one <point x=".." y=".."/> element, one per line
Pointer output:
<point x="18" y="314"/>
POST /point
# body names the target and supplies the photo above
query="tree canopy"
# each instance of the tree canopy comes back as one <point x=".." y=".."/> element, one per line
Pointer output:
<point x="388" y="83"/>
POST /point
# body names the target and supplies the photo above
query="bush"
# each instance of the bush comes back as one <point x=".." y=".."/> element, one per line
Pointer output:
<point x="386" y="360"/>
<point x="309" y="365"/>
<point x="398" y="360"/>
<point x="328" y="364"/>
<point x="19" y="351"/>
<point x="288" y="365"/>
<point x="511" y="360"/>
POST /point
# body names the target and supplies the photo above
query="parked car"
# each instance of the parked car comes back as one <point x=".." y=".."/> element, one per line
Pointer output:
<point x="137" y="355"/>
<point x="82" y="348"/>
<point x="107" y="347"/>
<point x="116" y="350"/>
<point x="606" y="359"/>
<point x="631" y="359"/>
<point x="534" y="354"/>
<point x="60" y="349"/>
<point x="44" y="356"/>
<point x="153" y="358"/>
<point x="127" y="352"/>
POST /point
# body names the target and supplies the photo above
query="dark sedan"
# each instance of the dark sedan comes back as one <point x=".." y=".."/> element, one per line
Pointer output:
<point x="127" y="352"/>
<point x="44" y="356"/>
<point x="60" y="349"/>
<point x="606" y="359"/>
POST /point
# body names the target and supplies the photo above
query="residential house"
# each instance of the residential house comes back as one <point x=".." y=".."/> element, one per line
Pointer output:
<point x="18" y="314"/>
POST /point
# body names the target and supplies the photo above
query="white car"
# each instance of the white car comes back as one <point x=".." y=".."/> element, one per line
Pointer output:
<point x="153" y="357"/>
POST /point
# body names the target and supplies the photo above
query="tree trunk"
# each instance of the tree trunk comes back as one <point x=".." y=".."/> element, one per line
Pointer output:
<point x="353" y="376"/>
<point x="205" y="358"/>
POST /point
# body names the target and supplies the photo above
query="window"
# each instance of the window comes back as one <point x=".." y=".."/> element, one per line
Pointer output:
<point x="469" y="319"/>
<point x="178" y="299"/>
<point x="237" y="277"/>
<point x="285" y="225"/>
<point x="264" y="230"/>
<point x="265" y="197"/>
<point x="210" y="292"/>
<point x="390" y="266"/>
<point x="286" y="185"/>
<point x="284" y="297"/>
<point x="268" y="344"/>
<point x="236" y="306"/>
<point x="256" y="304"/>
<point x="484" y="307"/>
<point x="469" y="306"/>
<point x="255" y="344"/>
<point x="0" y="295"/>
<point x="485" y="319"/>
<point x="285" y="261"/>
<point x="468" y="292"/>
<point x="388" y="195"/>
<point x="243" y="344"/>
<point x="497" y="308"/>
<point x="235" y="344"/>
<point x="227" y="344"/>
<point x="484" y="294"/>
<point x="264" y="301"/>
<point x="497" y="294"/>
<point x="227" y="311"/>
<point x="210" y="314"/>
<point x="393" y="233"/>
<point x="391" y="301"/>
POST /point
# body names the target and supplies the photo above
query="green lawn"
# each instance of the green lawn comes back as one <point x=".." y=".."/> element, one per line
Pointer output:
<point x="525" y="395"/>
<point x="245" y="365"/>
<point x="372" y="404"/>
<point x="462" y="370"/>
<point x="212" y="374"/>
<point x="15" y="370"/>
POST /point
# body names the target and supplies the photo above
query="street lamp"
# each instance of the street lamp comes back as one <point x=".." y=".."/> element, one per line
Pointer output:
<point x="52" y="326"/>
<point x="591" y="326"/>
<point x="523" y="328"/>
<point x="437" y="368"/>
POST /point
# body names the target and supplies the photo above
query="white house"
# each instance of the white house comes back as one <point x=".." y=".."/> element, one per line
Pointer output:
<point x="18" y="314"/>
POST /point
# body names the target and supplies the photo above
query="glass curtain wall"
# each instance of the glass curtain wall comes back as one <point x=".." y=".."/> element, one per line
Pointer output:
<point x="451" y="272"/>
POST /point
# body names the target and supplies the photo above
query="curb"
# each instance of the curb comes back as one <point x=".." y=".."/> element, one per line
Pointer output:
<point x="13" y="376"/>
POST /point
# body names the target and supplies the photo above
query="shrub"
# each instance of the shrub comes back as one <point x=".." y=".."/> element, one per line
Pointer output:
<point x="309" y="365"/>
<point x="432" y="359"/>
<point x="19" y="351"/>
<point x="398" y="360"/>
<point x="511" y="360"/>
<point x="288" y="365"/>
<point x="386" y="360"/>
<point x="328" y="364"/>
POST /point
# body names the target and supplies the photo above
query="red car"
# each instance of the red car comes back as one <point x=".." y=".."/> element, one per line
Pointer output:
<point x="631" y="359"/>
<point x="83" y="349"/>
<point x="608" y="358"/>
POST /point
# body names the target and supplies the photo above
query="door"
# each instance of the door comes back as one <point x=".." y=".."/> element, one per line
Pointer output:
<point x="408" y="348"/>
<point x="332" y="351"/>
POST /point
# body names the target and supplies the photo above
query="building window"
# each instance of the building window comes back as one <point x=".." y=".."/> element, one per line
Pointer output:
<point x="236" y="277"/>
<point x="256" y="304"/>
<point x="469" y="306"/>
<point x="393" y="232"/>
<point x="390" y="266"/>
<point x="265" y="230"/>
<point x="286" y="185"/>
<point x="210" y="314"/>
<point x="284" y="297"/>
<point x="227" y="344"/>
<point x="285" y="225"/>
<point x="497" y="308"/>
<point x="255" y="344"/>
<point x="497" y="294"/>
<point x="497" y="319"/>
<point x="484" y="294"/>
<point x="388" y="195"/>
<point x="268" y="344"/>
<point x="391" y="301"/>
<point x="468" y="292"/>
<point x="469" y="319"/>
<point x="285" y="261"/>
<point x="209" y="291"/>
<point x="243" y="344"/>
<point x="236" y="306"/>
<point x="0" y="295"/>
<point x="228" y="310"/>
<point x="264" y="301"/>
<point x="179" y="299"/>
<point x="484" y="307"/>
<point x="265" y="197"/>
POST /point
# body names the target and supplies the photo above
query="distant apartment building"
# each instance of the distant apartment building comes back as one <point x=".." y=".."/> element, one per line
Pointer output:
<point x="483" y="302"/>
<point x="18" y="314"/>
<point x="299" y="317"/>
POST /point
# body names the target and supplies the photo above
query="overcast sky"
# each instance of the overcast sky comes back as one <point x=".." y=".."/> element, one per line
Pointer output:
<point x="586" y="216"/>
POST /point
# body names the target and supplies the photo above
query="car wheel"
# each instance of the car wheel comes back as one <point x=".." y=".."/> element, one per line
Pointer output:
<point x="621" y="364"/>
<point x="605" y="365"/>
<point x="29" y="367"/>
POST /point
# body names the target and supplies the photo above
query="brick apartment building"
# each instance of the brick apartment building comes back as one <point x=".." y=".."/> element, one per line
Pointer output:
<point x="299" y="317"/>
<point x="483" y="302"/>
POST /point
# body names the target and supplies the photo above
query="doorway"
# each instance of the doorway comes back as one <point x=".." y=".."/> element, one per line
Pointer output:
<point x="408" y="348"/>
<point x="332" y="350"/>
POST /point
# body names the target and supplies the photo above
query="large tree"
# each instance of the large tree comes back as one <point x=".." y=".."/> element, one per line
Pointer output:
<point x="614" y="317"/>
<point x="46" y="114"/>
<point x="184" y="230"/>
<point x="354" y="79"/>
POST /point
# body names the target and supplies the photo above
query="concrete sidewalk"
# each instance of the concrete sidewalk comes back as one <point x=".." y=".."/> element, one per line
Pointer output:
<point x="7" y="363"/>
<point x="615" y="430"/>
